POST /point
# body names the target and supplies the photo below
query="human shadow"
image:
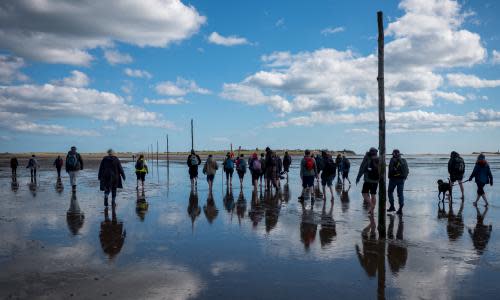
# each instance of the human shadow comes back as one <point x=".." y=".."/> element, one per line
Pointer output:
<point x="59" y="185"/>
<point x="397" y="252"/>
<point x="229" y="200"/>
<point x="112" y="234"/>
<point x="308" y="227"/>
<point x="344" y="199"/>
<point x="481" y="233"/>
<point x="14" y="185"/>
<point x="241" y="206"/>
<point x="256" y="212"/>
<point x="328" y="232"/>
<point x="455" y="226"/>
<point x="194" y="209"/>
<point x="74" y="216"/>
<point x="141" y="205"/>
<point x="210" y="209"/>
<point x="272" y="207"/>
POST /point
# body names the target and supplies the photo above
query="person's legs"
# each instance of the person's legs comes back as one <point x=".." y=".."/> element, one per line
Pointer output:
<point x="72" y="179"/>
<point x="401" y="199"/>
<point x="58" y="172"/>
<point x="460" y="183"/>
<point x="31" y="173"/>
<point x="373" y="202"/>
<point x="390" y="192"/>
<point x="106" y="195"/>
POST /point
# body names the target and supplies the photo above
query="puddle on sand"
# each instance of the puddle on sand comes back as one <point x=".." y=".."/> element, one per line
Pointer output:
<point x="174" y="243"/>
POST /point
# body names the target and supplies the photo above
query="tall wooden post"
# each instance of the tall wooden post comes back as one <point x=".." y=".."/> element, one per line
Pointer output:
<point x="192" y="135"/>
<point x="381" y="127"/>
<point x="168" y="158"/>
<point x="157" y="150"/>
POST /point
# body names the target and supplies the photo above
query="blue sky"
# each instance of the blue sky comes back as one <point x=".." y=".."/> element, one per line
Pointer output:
<point x="255" y="73"/>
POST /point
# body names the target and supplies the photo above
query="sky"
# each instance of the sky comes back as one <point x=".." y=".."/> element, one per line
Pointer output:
<point x="284" y="74"/>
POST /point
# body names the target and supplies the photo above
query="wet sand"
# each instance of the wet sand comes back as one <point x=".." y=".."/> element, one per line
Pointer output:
<point x="183" y="245"/>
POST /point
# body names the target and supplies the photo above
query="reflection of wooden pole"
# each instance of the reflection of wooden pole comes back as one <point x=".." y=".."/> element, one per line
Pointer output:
<point x="381" y="269"/>
<point x="381" y="116"/>
<point x="192" y="135"/>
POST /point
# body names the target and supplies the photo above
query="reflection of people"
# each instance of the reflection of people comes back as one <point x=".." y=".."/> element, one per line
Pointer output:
<point x="141" y="205"/>
<point x="229" y="199"/>
<point x="308" y="227"/>
<point x="272" y="209"/>
<point x="344" y="198"/>
<point x="256" y="211"/>
<point x="286" y="193"/>
<point x="369" y="257"/>
<point x="210" y="209"/>
<point x="241" y="206"/>
<point x="112" y="235"/>
<point x="74" y="216"/>
<point x="455" y="225"/>
<point x="110" y="176"/>
<point x="327" y="232"/>
<point x="194" y="210"/>
<point x="397" y="253"/>
<point x="59" y="185"/>
<point x="481" y="233"/>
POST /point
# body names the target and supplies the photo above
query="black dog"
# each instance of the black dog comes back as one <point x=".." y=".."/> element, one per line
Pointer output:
<point x="443" y="188"/>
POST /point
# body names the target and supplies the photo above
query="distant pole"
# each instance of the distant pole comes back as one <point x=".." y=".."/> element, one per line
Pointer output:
<point x="192" y="135"/>
<point x="157" y="149"/>
<point x="381" y="127"/>
<point x="168" y="158"/>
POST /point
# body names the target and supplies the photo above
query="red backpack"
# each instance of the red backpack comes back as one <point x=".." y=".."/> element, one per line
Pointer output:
<point x="309" y="163"/>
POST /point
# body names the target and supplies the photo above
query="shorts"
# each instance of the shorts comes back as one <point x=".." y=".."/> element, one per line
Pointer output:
<point x="261" y="174"/>
<point x="345" y="174"/>
<point x="271" y="173"/>
<point x="141" y="176"/>
<point x="307" y="181"/>
<point x="369" y="187"/>
<point x="480" y="189"/>
<point x="327" y="180"/>
<point x="210" y="177"/>
<point x="229" y="172"/>
<point x="456" y="177"/>
<point x="241" y="174"/>
<point x="193" y="172"/>
<point x="256" y="175"/>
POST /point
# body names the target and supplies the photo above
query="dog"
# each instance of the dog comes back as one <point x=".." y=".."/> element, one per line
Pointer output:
<point x="444" y="187"/>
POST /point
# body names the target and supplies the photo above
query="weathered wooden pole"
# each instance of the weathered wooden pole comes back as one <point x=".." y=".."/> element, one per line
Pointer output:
<point x="168" y="158"/>
<point x="192" y="135"/>
<point x="157" y="150"/>
<point x="381" y="127"/>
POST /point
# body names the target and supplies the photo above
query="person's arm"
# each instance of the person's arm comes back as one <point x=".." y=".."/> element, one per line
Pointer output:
<point x="67" y="170"/>
<point x="490" y="175"/>
<point x="406" y="169"/>
<point x="99" y="174"/>
<point x="362" y="168"/>
<point x="81" y="161"/>
<point x="146" y="167"/>
<point x="199" y="159"/>
<point x="302" y="168"/>
<point x="120" y="169"/>
<point x="474" y="172"/>
<point x="449" y="167"/>
<point x="188" y="161"/>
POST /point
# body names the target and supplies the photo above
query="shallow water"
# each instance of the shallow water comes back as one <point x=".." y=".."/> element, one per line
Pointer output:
<point x="242" y="245"/>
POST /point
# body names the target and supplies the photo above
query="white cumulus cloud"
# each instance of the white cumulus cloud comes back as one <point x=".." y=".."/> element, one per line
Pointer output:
<point x="180" y="87"/>
<point x="166" y="101"/>
<point x="64" y="31"/>
<point x="77" y="79"/>
<point x="114" y="57"/>
<point x="332" y="30"/>
<point x="137" y="73"/>
<point x="10" y="69"/>
<point x="464" y="80"/>
<point x="231" y="40"/>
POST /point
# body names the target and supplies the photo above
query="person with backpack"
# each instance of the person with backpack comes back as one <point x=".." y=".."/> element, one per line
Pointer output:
<point x="74" y="164"/>
<point x="346" y="166"/>
<point x="210" y="169"/>
<point x="369" y="169"/>
<point x="33" y="166"/>
<point x="58" y="163"/>
<point x="456" y="169"/>
<point x="318" y="159"/>
<point x="279" y="168"/>
<point x="398" y="172"/>
<point x="193" y="161"/>
<point x="263" y="168"/>
<point x="483" y="176"/>
<point x="241" y="168"/>
<point x="328" y="173"/>
<point x="287" y="161"/>
<point x="255" y="169"/>
<point x="141" y="169"/>
<point x="110" y="176"/>
<point x="270" y="169"/>
<point x="13" y="166"/>
<point x="228" y="167"/>
<point x="338" y="161"/>
<point x="308" y="172"/>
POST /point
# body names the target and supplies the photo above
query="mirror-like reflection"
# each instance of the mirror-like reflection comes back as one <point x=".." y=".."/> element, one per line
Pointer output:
<point x="14" y="185"/>
<point x="112" y="234"/>
<point x="272" y="207"/>
<point x="229" y="199"/>
<point x="397" y="252"/>
<point x="210" y="209"/>
<point x="194" y="209"/>
<point x="59" y="185"/>
<point x="328" y="231"/>
<point x="256" y="212"/>
<point x="481" y="233"/>
<point x="455" y="226"/>
<point x="74" y="216"/>
<point x="241" y="206"/>
<point x="344" y="198"/>
<point x="308" y="226"/>
<point x="141" y="204"/>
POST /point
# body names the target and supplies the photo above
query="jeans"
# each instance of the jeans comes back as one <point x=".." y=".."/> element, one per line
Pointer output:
<point x="112" y="191"/>
<point x="72" y="177"/>
<point x="398" y="183"/>
<point x="58" y="172"/>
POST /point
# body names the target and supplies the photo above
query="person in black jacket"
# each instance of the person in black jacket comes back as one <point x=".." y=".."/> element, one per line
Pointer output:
<point x="58" y="163"/>
<point x="13" y="166"/>
<point x="193" y="161"/>
<point x="398" y="172"/>
<point x="456" y="169"/>
<point x="110" y="176"/>
<point x="287" y="161"/>
<point x="74" y="164"/>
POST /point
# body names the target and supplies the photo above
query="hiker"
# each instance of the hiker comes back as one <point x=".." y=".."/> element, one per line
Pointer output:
<point x="193" y="161"/>
<point x="287" y="161"/>
<point x="338" y="161"/>
<point x="369" y="169"/>
<point x="263" y="168"/>
<point x="456" y="169"/>
<point x="209" y="169"/>
<point x="33" y="166"/>
<point x="228" y="168"/>
<point x="279" y="168"/>
<point x="345" y="167"/>
<point x="141" y="169"/>
<point x="255" y="169"/>
<point x="13" y="166"/>
<point x="270" y="169"/>
<point x="74" y="164"/>
<point x="482" y="175"/>
<point x="398" y="172"/>
<point x="58" y="163"/>
<point x="110" y="176"/>
<point x="328" y="173"/>
<point x="241" y="168"/>
<point x="308" y="172"/>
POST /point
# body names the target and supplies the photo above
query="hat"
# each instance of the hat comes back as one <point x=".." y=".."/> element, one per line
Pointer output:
<point x="481" y="157"/>
<point x="396" y="152"/>
<point x="373" y="150"/>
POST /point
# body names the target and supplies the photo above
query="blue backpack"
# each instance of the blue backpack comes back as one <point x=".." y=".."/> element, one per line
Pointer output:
<point x="229" y="163"/>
